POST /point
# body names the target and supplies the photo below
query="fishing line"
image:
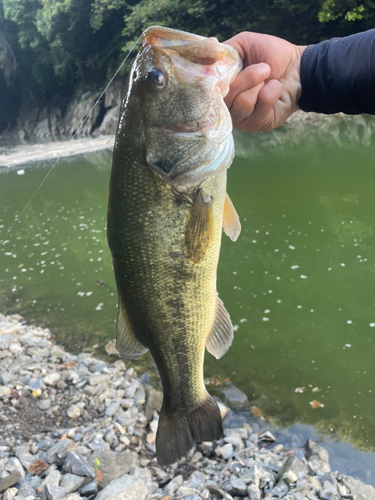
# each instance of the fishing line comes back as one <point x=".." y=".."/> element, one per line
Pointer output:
<point x="74" y="136"/>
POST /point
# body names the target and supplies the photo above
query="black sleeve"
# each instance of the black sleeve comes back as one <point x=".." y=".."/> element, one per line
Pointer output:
<point x="339" y="75"/>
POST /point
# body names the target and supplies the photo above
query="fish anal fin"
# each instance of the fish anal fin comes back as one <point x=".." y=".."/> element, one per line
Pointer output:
<point x="127" y="345"/>
<point x="200" y="228"/>
<point x="231" y="221"/>
<point x="221" y="334"/>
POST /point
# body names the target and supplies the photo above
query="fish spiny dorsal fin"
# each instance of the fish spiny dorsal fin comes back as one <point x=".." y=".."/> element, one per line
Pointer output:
<point x="221" y="334"/>
<point x="200" y="228"/>
<point x="231" y="221"/>
<point x="127" y="345"/>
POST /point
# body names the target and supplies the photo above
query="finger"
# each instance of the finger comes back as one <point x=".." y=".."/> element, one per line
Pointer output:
<point x="248" y="78"/>
<point x="244" y="104"/>
<point x="264" y="116"/>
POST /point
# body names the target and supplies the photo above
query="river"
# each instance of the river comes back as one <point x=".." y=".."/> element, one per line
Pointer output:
<point x="299" y="282"/>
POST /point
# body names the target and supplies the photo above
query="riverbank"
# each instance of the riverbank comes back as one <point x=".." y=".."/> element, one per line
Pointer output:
<point x="75" y="427"/>
<point x="25" y="154"/>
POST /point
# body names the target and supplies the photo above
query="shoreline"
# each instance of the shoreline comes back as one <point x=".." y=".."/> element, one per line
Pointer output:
<point x="30" y="153"/>
<point x="75" y="427"/>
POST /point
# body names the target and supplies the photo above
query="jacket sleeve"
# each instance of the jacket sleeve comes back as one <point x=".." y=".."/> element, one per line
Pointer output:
<point x="338" y="75"/>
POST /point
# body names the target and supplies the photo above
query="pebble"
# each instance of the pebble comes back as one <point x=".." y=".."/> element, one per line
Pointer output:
<point x="107" y="451"/>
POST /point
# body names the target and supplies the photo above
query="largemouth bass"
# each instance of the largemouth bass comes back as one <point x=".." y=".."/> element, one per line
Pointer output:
<point x="167" y="208"/>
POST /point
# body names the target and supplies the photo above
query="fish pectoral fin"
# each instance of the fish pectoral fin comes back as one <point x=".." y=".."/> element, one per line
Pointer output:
<point x="200" y="228"/>
<point x="231" y="221"/>
<point x="221" y="334"/>
<point x="127" y="345"/>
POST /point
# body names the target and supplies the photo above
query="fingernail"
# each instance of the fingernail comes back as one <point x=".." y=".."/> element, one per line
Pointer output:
<point x="266" y="70"/>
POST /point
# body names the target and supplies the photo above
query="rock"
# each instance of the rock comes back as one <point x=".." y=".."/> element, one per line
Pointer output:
<point x="24" y="488"/>
<point x="295" y="465"/>
<point x="58" y="451"/>
<point x="109" y="126"/>
<point x="227" y="451"/>
<point x="289" y="477"/>
<point x="14" y="462"/>
<point x="329" y="492"/>
<point x="236" y="441"/>
<point x="53" y="478"/>
<point x="90" y="489"/>
<point x="154" y="400"/>
<point x="359" y="490"/>
<point x="235" y="398"/>
<point x="4" y="391"/>
<point x="44" y="404"/>
<point x="51" y="378"/>
<point x="5" y="341"/>
<point x="176" y="483"/>
<point x="196" y="480"/>
<point x="76" y="464"/>
<point x="124" y="488"/>
<point x="252" y="475"/>
<point x="254" y="492"/>
<point x="71" y="482"/>
<point x="10" y="493"/>
<point x="238" y="487"/>
<point x="74" y="411"/>
<point x="24" y="456"/>
<point x="54" y="492"/>
<point x="111" y="409"/>
<point x="112" y="465"/>
<point x="99" y="379"/>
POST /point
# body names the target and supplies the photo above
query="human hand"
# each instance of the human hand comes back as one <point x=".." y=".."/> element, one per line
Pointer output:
<point x="267" y="90"/>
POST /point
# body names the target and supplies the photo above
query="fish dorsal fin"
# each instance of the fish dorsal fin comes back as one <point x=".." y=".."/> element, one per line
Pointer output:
<point x="231" y="221"/>
<point x="127" y="345"/>
<point x="200" y="228"/>
<point x="221" y="334"/>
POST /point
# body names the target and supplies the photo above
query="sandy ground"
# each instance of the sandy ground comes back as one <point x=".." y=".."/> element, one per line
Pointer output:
<point x="29" y="153"/>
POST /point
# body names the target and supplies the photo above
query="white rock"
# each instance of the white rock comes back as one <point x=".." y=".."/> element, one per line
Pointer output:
<point x="51" y="378"/>
<point x="227" y="451"/>
<point x="124" y="488"/>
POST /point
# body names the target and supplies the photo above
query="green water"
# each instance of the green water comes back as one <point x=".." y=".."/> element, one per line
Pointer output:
<point x="299" y="283"/>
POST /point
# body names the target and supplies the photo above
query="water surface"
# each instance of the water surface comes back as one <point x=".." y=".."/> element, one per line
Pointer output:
<point x="299" y="283"/>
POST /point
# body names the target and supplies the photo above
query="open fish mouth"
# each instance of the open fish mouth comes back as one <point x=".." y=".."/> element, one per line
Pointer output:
<point x="194" y="62"/>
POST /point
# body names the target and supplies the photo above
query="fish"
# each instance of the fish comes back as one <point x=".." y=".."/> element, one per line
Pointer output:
<point x="166" y="211"/>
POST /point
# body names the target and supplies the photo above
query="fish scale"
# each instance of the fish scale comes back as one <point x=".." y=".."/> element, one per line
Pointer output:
<point x="165" y="217"/>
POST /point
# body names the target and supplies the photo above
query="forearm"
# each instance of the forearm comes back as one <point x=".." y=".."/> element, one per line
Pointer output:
<point x="338" y="75"/>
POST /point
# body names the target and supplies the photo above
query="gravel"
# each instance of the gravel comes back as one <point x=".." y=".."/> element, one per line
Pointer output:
<point x="74" y="427"/>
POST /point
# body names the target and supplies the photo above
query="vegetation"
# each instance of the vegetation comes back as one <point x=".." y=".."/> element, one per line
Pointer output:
<point x="49" y="47"/>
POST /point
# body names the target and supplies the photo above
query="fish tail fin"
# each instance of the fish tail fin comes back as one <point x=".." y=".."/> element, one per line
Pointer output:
<point x="177" y="433"/>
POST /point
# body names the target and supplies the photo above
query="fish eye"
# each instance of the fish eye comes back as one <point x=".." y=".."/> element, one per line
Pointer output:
<point x="156" y="79"/>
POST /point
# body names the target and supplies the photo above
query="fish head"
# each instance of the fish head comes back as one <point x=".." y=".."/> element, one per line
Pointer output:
<point x="175" y="94"/>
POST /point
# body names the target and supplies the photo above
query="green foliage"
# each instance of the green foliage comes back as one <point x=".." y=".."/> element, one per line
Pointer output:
<point x="57" y="45"/>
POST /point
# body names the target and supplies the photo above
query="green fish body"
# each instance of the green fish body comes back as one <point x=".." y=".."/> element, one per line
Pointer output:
<point x="165" y="218"/>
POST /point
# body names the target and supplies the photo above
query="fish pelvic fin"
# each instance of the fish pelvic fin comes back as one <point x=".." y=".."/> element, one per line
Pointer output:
<point x="127" y="344"/>
<point x="221" y="335"/>
<point x="177" y="433"/>
<point x="200" y="228"/>
<point x="231" y="221"/>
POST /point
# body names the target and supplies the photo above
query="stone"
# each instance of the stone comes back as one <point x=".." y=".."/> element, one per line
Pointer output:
<point x="99" y="379"/>
<point x="196" y="480"/>
<point x="90" y="489"/>
<point x="131" y="389"/>
<point x="4" y="391"/>
<point x="238" y="487"/>
<point x="51" y="378"/>
<point x="74" y="411"/>
<point x="227" y="451"/>
<point x="236" y="441"/>
<point x="45" y="404"/>
<point x="329" y="492"/>
<point x="154" y="400"/>
<point x="254" y="492"/>
<point x="53" y="478"/>
<point x="112" y="465"/>
<point x="24" y="456"/>
<point x="14" y="462"/>
<point x="295" y="465"/>
<point x="289" y="477"/>
<point x="251" y="475"/>
<point x="235" y="398"/>
<point x="5" y="341"/>
<point x="71" y="482"/>
<point x="10" y="493"/>
<point x="359" y="490"/>
<point x="176" y="483"/>
<point x="73" y="496"/>
<point x="125" y="487"/>
<point x="111" y="409"/>
<point x="60" y="450"/>
<point x="24" y="488"/>
<point x="54" y="492"/>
